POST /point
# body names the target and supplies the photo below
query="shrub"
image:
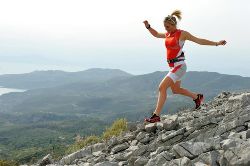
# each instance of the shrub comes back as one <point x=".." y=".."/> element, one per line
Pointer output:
<point x="116" y="129"/>
<point x="8" y="163"/>
<point x="82" y="143"/>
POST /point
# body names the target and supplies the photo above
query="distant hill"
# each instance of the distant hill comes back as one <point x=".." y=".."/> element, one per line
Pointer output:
<point x="116" y="96"/>
<point x="51" y="78"/>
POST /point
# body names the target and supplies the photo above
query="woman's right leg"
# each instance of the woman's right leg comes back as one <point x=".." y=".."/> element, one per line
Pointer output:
<point x="162" y="95"/>
<point x="164" y="85"/>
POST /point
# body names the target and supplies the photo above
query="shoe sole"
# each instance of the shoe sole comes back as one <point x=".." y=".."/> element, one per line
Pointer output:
<point x="145" y="121"/>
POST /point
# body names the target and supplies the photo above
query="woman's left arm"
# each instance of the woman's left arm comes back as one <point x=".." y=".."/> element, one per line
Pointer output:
<point x="187" y="36"/>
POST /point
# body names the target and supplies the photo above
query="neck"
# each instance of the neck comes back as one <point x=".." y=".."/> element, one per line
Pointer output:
<point x="173" y="31"/>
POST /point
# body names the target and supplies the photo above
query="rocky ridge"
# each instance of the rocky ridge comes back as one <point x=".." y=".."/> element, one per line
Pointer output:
<point x="216" y="134"/>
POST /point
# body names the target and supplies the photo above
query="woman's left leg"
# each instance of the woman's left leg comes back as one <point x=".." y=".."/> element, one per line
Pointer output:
<point x="176" y="89"/>
<point x="197" y="98"/>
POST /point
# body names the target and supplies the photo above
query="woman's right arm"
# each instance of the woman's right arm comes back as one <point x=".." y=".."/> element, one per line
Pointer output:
<point x="154" y="32"/>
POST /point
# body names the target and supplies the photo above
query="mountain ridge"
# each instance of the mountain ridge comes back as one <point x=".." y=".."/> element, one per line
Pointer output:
<point x="51" y="78"/>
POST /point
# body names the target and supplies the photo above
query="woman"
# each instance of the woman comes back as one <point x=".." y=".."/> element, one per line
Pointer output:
<point x="174" y="42"/>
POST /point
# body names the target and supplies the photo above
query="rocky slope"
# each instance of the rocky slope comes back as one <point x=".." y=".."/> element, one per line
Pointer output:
<point x="217" y="134"/>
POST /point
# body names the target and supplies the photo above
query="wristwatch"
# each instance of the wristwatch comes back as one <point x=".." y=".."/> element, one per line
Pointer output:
<point x="148" y="26"/>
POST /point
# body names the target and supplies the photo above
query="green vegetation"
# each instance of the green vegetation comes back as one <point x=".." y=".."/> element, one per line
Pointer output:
<point x="8" y="163"/>
<point x="28" y="143"/>
<point x="79" y="144"/>
<point x="35" y="141"/>
<point x="116" y="129"/>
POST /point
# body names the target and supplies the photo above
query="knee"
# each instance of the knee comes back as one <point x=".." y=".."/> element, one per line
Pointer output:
<point x="176" y="91"/>
<point x="162" y="88"/>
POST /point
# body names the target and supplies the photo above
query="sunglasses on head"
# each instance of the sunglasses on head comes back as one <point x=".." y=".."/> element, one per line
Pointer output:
<point x="170" y="18"/>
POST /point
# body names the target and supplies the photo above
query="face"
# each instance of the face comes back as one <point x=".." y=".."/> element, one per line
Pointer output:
<point x="169" y="27"/>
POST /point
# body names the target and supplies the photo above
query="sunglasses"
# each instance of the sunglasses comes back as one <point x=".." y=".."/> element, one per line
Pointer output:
<point x="170" y="18"/>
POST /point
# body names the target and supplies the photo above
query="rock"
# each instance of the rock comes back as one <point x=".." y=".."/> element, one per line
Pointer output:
<point x="123" y="163"/>
<point x="79" y="154"/>
<point x="132" y="160"/>
<point x="83" y="164"/>
<point x="173" y="134"/>
<point x="228" y="143"/>
<point x="189" y="130"/>
<point x="247" y="134"/>
<point x="139" y="150"/>
<point x="238" y="155"/>
<point x="122" y="156"/>
<point x="170" y="123"/>
<point x="215" y="142"/>
<point x="106" y="163"/>
<point x="153" y="146"/>
<point x="159" y="150"/>
<point x="233" y="135"/>
<point x="141" y="161"/>
<point x="184" y="161"/>
<point x="146" y="139"/>
<point x="132" y="126"/>
<point x="140" y="127"/>
<point x="98" y="153"/>
<point x="150" y="127"/>
<point x="200" y="164"/>
<point x="99" y="159"/>
<point x="210" y="158"/>
<point x="46" y="160"/>
<point x="223" y="95"/>
<point x="159" y="125"/>
<point x="98" y="147"/>
<point x="133" y="143"/>
<point x="160" y="159"/>
<point x="119" y="148"/>
<point x="112" y="142"/>
<point x="248" y="125"/>
<point x="229" y="126"/>
<point x="163" y="134"/>
<point x="140" y="136"/>
<point x="191" y="150"/>
<point x="129" y="136"/>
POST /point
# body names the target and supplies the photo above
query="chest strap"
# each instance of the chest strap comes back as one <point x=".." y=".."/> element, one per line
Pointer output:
<point x="177" y="58"/>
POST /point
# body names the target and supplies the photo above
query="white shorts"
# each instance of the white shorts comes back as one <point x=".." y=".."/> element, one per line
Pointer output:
<point x="178" y="71"/>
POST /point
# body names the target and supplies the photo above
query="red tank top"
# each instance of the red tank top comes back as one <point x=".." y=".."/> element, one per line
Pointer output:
<point x="172" y="44"/>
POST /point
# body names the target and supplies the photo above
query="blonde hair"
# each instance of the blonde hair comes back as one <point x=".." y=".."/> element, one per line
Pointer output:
<point x="171" y="17"/>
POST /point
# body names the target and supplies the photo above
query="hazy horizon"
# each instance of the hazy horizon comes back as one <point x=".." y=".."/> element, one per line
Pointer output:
<point x="79" y="35"/>
<point x="117" y="69"/>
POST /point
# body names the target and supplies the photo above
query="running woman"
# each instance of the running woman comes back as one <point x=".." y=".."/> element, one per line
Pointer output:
<point x="174" y="42"/>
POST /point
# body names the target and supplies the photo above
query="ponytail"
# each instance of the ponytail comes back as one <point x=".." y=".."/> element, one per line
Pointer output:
<point x="177" y="13"/>
<point x="172" y="19"/>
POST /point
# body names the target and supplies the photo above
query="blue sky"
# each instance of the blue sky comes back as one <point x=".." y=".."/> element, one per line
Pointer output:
<point x="80" y="34"/>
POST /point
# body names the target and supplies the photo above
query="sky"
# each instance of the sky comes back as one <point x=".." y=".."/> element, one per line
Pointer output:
<point x="75" y="35"/>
